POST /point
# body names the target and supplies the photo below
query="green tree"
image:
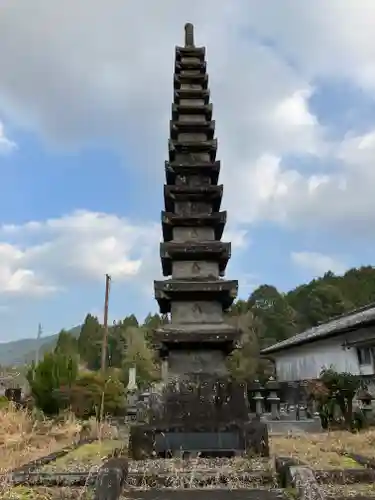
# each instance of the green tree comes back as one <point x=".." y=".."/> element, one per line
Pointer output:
<point x="280" y="320"/>
<point x="139" y="353"/>
<point x="116" y="344"/>
<point x="318" y="302"/>
<point x="66" y="344"/>
<point x="342" y="388"/>
<point x="245" y="363"/>
<point x="90" y="342"/>
<point x="45" y="379"/>
<point x="89" y="390"/>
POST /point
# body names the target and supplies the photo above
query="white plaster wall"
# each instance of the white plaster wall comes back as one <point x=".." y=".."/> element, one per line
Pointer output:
<point x="306" y="362"/>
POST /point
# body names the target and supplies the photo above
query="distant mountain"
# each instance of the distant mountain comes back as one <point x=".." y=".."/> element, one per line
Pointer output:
<point x="19" y="352"/>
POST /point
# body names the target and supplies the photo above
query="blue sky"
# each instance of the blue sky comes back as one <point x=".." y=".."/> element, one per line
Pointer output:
<point x="84" y="110"/>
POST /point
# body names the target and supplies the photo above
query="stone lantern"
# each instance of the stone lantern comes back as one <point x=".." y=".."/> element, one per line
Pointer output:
<point x="365" y="399"/>
<point x="272" y="386"/>
<point x="256" y="389"/>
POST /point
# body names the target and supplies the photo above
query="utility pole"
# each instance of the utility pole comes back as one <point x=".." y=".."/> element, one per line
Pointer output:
<point x="37" y="350"/>
<point x="105" y="323"/>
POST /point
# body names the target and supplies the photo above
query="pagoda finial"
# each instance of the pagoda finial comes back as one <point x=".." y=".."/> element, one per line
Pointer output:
<point x="189" y="35"/>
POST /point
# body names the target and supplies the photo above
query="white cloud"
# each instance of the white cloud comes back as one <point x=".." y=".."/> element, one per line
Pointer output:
<point x="109" y="77"/>
<point x="317" y="263"/>
<point x="6" y="145"/>
<point x="82" y="247"/>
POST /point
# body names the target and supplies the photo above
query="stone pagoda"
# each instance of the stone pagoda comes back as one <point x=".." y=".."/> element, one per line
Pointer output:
<point x="202" y="410"/>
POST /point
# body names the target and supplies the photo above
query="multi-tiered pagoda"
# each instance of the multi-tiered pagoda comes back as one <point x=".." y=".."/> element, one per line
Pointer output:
<point x="202" y="410"/>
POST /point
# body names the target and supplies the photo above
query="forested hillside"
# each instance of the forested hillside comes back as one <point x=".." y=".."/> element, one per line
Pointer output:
<point x="268" y="316"/>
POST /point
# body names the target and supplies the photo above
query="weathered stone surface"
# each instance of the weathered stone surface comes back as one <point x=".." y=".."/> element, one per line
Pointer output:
<point x="208" y="494"/>
<point x="214" y="251"/>
<point x="182" y="52"/>
<point x="203" y="411"/>
<point x="179" y="148"/>
<point x="210" y="195"/>
<point x="184" y="333"/>
<point x="190" y="93"/>
<point x="111" y="479"/>
<point x="216" y="220"/>
<point x="186" y="169"/>
<point x="200" y="79"/>
<point x="189" y="35"/>
<point x="305" y="483"/>
<point x="152" y="440"/>
<point x="220" y="291"/>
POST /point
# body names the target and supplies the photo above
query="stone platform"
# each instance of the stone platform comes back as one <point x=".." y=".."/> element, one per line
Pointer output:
<point x="233" y="439"/>
<point x="282" y="427"/>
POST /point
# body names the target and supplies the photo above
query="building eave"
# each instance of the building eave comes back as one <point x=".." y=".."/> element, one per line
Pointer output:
<point x="330" y="329"/>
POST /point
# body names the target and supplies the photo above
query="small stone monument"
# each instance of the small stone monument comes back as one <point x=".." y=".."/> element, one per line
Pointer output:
<point x="111" y="479"/>
<point x="258" y="398"/>
<point x="132" y="396"/>
<point x="272" y="386"/>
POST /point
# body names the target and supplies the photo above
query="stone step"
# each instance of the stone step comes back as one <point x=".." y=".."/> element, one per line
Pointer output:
<point x="207" y="494"/>
<point x="152" y="479"/>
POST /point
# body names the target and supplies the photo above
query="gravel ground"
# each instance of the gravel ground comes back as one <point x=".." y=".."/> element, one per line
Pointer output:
<point x="202" y="464"/>
<point x="88" y="463"/>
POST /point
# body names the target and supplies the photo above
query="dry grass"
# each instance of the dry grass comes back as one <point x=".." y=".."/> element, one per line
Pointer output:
<point x="43" y="493"/>
<point x="324" y="451"/>
<point x="349" y="490"/>
<point x="24" y="438"/>
<point x="84" y="458"/>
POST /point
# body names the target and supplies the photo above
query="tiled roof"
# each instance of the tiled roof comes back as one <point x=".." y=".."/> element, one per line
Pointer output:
<point x="352" y="320"/>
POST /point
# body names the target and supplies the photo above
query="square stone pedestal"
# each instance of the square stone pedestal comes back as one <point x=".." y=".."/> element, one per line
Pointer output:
<point x="148" y="441"/>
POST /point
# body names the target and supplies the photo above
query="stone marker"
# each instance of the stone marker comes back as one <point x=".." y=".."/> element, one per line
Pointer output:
<point x="304" y="481"/>
<point x="111" y="479"/>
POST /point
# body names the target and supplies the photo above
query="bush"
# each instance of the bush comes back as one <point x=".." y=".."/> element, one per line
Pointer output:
<point x="4" y="402"/>
<point x="55" y="370"/>
<point x="86" y="394"/>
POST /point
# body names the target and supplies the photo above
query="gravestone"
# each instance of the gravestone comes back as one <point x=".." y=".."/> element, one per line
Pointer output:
<point x="200" y="410"/>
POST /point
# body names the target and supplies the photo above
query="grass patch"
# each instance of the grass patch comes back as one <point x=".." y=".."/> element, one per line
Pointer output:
<point x="349" y="490"/>
<point x="84" y="457"/>
<point x="42" y="493"/>
<point x="24" y="438"/>
<point x="321" y="451"/>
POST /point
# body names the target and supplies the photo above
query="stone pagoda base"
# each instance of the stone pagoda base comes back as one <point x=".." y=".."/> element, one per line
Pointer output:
<point x="202" y="414"/>
<point x="236" y="439"/>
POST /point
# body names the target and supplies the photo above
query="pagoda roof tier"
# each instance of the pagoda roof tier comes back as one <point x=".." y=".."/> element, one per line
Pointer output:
<point x="192" y="127"/>
<point x="218" y="290"/>
<point x="206" y="193"/>
<point x="194" y="251"/>
<point x="170" y="220"/>
<point x="196" y="79"/>
<point x="192" y="109"/>
<point x="206" y="169"/>
<point x="189" y="147"/>
<point x="178" y="335"/>
<point x="198" y="52"/>
<point x="191" y="94"/>
<point x="189" y="64"/>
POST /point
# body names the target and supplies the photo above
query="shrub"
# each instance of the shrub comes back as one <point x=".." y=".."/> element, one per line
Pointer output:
<point x="86" y="394"/>
<point x="55" y="370"/>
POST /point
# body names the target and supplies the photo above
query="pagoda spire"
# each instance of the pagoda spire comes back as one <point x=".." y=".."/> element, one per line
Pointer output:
<point x="189" y="35"/>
